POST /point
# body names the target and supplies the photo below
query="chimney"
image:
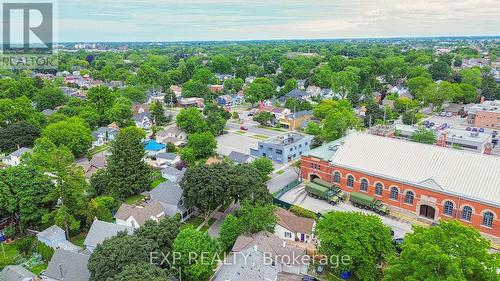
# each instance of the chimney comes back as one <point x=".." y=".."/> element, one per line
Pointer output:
<point x="482" y="100"/>
<point x="61" y="271"/>
<point x="284" y="244"/>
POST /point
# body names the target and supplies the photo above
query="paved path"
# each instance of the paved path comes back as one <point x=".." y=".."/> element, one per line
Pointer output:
<point x="214" y="229"/>
<point x="277" y="181"/>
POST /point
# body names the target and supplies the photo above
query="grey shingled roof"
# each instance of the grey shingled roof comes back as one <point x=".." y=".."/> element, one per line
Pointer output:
<point x="165" y="155"/>
<point x="140" y="214"/>
<point x="51" y="233"/>
<point x="246" y="265"/>
<point x="167" y="192"/>
<point x="73" y="266"/>
<point x="101" y="230"/>
<point x="238" y="157"/>
<point x="16" y="273"/>
<point x="20" y="151"/>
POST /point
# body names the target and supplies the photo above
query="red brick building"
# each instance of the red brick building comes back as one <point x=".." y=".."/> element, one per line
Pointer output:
<point x="423" y="181"/>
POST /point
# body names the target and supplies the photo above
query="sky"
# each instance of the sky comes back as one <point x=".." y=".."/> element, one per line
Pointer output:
<point x="200" y="20"/>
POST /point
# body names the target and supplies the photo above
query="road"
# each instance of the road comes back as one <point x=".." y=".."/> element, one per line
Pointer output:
<point x="253" y="129"/>
<point x="298" y="196"/>
<point x="278" y="181"/>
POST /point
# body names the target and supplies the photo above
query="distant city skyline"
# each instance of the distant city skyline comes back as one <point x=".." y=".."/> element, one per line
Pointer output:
<point x="226" y="20"/>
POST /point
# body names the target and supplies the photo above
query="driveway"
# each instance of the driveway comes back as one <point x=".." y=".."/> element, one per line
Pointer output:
<point x="298" y="196"/>
<point x="278" y="181"/>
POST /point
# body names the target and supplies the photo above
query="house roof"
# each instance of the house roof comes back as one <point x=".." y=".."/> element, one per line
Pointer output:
<point x="293" y="222"/>
<point x="238" y="157"/>
<point x="247" y="265"/>
<point x="101" y="230"/>
<point x="51" y="233"/>
<point x="16" y="273"/>
<point x="98" y="160"/>
<point x="167" y="192"/>
<point x="140" y="214"/>
<point x="73" y="266"/>
<point x="140" y="117"/>
<point x="172" y="171"/>
<point x="21" y="151"/>
<point x="458" y="172"/>
<point x="296" y="93"/>
<point x="267" y="242"/>
<point x="173" y="130"/>
<point x="103" y="131"/>
<point x="168" y="156"/>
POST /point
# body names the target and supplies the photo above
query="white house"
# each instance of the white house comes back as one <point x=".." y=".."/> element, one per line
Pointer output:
<point x="172" y="174"/>
<point x="14" y="158"/>
<point x="143" y="120"/>
<point x="103" y="135"/>
<point x="294" y="228"/>
<point x="167" y="159"/>
<point x="136" y="216"/>
<point x="101" y="230"/>
<point x="172" y="134"/>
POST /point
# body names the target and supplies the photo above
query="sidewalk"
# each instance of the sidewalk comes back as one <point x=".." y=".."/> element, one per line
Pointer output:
<point x="214" y="229"/>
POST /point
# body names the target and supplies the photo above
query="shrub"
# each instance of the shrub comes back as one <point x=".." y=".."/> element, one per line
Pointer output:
<point x="45" y="251"/>
<point x="25" y="245"/>
<point x="301" y="212"/>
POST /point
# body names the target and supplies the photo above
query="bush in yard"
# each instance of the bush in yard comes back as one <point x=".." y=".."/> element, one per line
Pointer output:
<point x="25" y="245"/>
<point x="301" y="212"/>
<point x="229" y="231"/>
<point x="45" y="251"/>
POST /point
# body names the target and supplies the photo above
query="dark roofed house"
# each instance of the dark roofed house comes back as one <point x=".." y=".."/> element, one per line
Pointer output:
<point x="172" y="174"/>
<point x="295" y="94"/>
<point x="169" y="194"/>
<point x="143" y="120"/>
<point x="136" y="216"/>
<point x="14" y="158"/>
<point x="101" y="230"/>
<point x="16" y="273"/>
<point x="239" y="158"/>
<point x="67" y="266"/>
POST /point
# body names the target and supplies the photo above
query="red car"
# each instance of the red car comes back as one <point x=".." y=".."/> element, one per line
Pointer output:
<point x="243" y="128"/>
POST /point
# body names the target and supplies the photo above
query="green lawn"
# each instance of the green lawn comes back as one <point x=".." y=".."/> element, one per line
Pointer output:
<point x="134" y="199"/>
<point x="273" y="129"/>
<point x="157" y="182"/>
<point x="240" y="132"/>
<point x="195" y="222"/>
<point x="38" y="269"/>
<point x="280" y="172"/>
<point x="11" y="255"/>
<point x="260" y="137"/>
<point x="98" y="149"/>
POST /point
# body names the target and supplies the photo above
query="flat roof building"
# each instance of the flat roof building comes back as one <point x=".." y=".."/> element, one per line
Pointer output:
<point x="485" y="115"/>
<point x="285" y="148"/>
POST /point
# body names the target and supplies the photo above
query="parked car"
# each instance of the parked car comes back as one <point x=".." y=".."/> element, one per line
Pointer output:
<point x="468" y="129"/>
<point x="474" y="129"/>
<point x="449" y="114"/>
<point x="322" y="192"/>
<point x="425" y="123"/>
<point x="432" y="124"/>
<point x="481" y="130"/>
<point x="243" y="128"/>
<point x="442" y="114"/>
<point x="361" y="200"/>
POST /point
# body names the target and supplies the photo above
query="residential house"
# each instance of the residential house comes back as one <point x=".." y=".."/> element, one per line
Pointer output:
<point x="225" y="100"/>
<point x="275" y="249"/>
<point x="48" y="112"/>
<point x="115" y="84"/>
<point x="172" y="134"/>
<point x="139" y="108"/>
<point x="313" y="91"/>
<point x="176" y="90"/>
<point x="143" y="120"/>
<point x="98" y="161"/>
<point x="328" y="93"/>
<point x="101" y="230"/>
<point x="55" y="237"/>
<point x="169" y="194"/>
<point x="402" y="92"/>
<point x="103" y="135"/>
<point x="240" y="158"/>
<point x="216" y="88"/>
<point x="172" y="174"/>
<point x="191" y="102"/>
<point x="14" y="158"/>
<point x="153" y="147"/>
<point x="223" y="77"/>
<point x="155" y="96"/>
<point x="295" y="120"/>
<point x="283" y="149"/>
<point x="67" y="266"/>
<point x="167" y="159"/>
<point x="16" y="273"/>
<point x="238" y="98"/>
<point x="301" y="84"/>
<point x="250" y="79"/>
<point x="292" y="227"/>
<point x="136" y="216"/>
<point x="295" y="94"/>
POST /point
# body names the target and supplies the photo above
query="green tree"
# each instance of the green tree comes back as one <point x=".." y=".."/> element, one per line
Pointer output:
<point x="260" y="89"/>
<point x="220" y="64"/>
<point x="139" y="272"/>
<point x="170" y="98"/>
<point x="290" y="85"/>
<point x="263" y="117"/>
<point x="440" y="70"/>
<point x="233" y="85"/>
<point x="202" y="144"/>
<point x="49" y="98"/>
<point x="313" y="129"/>
<point x="121" y="112"/>
<point x="102" y="208"/>
<point x="490" y="89"/>
<point x="73" y="133"/>
<point x="197" y="251"/>
<point x="472" y="76"/>
<point x="188" y="156"/>
<point x="264" y="166"/>
<point x="101" y="98"/>
<point x="323" y="77"/>
<point x="113" y="255"/>
<point x="158" y="113"/>
<point x="363" y="238"/>
<point x="20" y="134"/>
<point x="195" y="88"/>
<point x="448" y="251"/>
<point x="424" y="136"/>
<point x="229" y="231"/>
<point x="126" y="172"/>
<point x="417" y="85"/>
<point x="345" y="83"/>
<point x="409" y="118"/>
<point x="191" y="121"/>
<point x="256" y="218"/>
<point x="162" y="232"/>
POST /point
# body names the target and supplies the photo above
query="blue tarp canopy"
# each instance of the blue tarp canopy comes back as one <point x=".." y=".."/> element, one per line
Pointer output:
<point x="153" y="145"/>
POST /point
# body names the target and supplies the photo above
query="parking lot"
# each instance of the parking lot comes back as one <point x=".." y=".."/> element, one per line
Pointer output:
<point x="235" y="142"/>
<point x="298" y="196"/>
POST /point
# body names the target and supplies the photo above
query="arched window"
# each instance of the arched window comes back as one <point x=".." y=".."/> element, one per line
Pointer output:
<point x="378" y="188"/>
<point x="364" y="185"/>
<point x="409" y="197"/>
<point x="336" y="177"/>
<point x="488" y="219"/>
<point x="448" y="208"/>
<point x="467" y="213"/>
<point x="394" y="193"/>
<point x="350" y="181"/>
